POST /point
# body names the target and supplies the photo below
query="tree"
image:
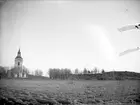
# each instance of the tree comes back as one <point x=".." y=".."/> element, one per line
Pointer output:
<point x="26" y="70"/>
<point x="88" y="72"/>
<point x="50" y="72"/>
<point x="76" y="71"/>
<point x="85" y="71"/>
<point x="103" y="71"/>
<point x="92" y="72"/>
<point x="2" y="72"/>
<point x="38" y="72"/>
<point x="95" y="70"/>
<point x="59" y="73"/>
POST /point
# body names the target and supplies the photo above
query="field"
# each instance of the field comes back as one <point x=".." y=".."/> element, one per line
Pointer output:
<point x="69" y="92"/>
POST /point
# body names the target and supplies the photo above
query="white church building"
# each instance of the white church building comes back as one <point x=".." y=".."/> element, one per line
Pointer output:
<point x="18" y="71"/>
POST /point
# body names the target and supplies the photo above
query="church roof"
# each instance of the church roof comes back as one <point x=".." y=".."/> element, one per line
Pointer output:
<point x="18" y="57"/>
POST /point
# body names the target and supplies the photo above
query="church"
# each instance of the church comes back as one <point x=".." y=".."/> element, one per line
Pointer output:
<point x="18" y="71"/>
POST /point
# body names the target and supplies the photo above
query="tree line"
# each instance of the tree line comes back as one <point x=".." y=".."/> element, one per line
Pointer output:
<point x="56" y="73"/>
<point x="65" y="73"/>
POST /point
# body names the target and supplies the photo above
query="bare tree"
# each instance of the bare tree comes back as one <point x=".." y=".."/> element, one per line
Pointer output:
<point x="59" y="73"/>
<point x="76" y="71"/>
<point x="95" y="70"/>
<point x="85" y="71"/>
<point x="38" y="72"/>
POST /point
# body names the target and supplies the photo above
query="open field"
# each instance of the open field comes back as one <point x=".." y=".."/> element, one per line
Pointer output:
<point x="69" y="92"/>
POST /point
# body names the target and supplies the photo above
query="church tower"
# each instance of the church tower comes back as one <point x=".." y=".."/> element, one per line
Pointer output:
<point x="18" y="60"/>
<point x="18" y="73"/>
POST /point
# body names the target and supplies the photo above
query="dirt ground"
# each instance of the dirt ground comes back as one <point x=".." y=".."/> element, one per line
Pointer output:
<point x="69" y="92"/>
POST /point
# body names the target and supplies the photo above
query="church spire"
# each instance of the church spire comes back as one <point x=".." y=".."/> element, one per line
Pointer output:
<point x="19" y="53"/>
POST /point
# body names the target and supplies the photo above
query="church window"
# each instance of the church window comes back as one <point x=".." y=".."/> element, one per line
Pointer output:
<point x="18" y="63"/>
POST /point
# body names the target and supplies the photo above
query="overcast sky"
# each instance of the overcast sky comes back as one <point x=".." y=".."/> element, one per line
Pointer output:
<point x="70" y="34"/>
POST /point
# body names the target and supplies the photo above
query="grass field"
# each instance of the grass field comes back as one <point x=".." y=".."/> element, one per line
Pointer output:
<point x="69" y="92"/>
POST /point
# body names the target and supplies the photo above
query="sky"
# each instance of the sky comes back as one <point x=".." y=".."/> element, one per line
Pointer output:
<point x="70" y="34"/>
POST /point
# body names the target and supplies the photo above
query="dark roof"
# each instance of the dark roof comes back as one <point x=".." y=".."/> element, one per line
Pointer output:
<point x="18" y="57"/>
